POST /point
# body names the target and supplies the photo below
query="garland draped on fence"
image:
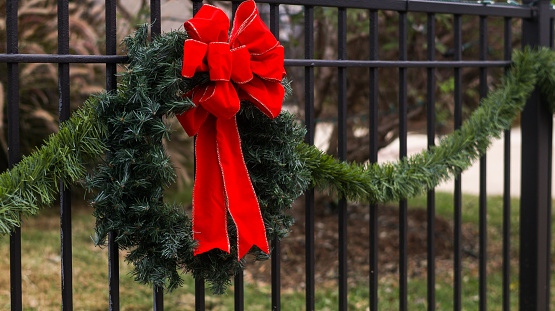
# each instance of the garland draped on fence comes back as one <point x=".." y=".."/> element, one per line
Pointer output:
<point x="152" y="89"/>
<point x="412" y="176"/>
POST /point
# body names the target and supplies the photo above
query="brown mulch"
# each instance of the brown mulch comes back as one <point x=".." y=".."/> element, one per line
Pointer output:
<point x="326" y="246"/>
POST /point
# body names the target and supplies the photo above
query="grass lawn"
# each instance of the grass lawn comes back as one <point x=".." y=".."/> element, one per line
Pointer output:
<point x="41" y="271"/>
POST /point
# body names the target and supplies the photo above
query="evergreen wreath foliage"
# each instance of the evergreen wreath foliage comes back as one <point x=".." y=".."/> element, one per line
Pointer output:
<point x="131" y="181"/>
<point x="129" y="126"/>
<point x="130" y="184"/>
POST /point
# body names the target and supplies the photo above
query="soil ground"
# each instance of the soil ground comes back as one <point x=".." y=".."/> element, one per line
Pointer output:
<point x="326" y="252"/>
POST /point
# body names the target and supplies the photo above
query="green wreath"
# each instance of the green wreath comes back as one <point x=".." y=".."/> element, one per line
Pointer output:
<point x="128" y="126"/>
<point x="131" y="182"/>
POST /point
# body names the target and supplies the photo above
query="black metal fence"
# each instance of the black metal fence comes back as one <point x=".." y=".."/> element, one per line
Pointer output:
<point x="535" y="218"/>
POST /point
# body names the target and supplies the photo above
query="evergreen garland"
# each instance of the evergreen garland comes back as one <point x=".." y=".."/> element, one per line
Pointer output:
<point x="35" y="181"/>
<point x="129" y="125"/>
<point x="411" y="176"/>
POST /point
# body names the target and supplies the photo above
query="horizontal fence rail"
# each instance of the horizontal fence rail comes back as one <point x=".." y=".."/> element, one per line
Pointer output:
<point x="535" y="224"/>
<point x="445" y="7"/>
<point x="394" y="64"/>
<point x="112" y="59"/>
<point x="56" y="59"/>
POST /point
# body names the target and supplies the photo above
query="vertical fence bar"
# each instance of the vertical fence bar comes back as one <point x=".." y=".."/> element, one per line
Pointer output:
<point x="197" y="4"/>
<point x="239" y="295"/>
<point x="13" y="148"/>
<point x="403" y="219"/>
<point x="155" y="17"/>
<point x="239" y="292"/>
<point x="342" y="151"/>
<point x="535" y="201"/>
<point x="276" y="275"/>
<point x="200" y="303"/>
<point x="457" y="193"/>
<point x="309" y="139"/>
<point x="551" y="36"/>
<point x="63" y="48"/>
<point x="549" y="183"/>
<point x="431" y="131"/>
<point x="111" y="85"/>
<point x="234" y="6"/>
<point x="111" y="43"/>
<point x="156" y="29"/>
<point x="276" y="249"/>
<point x="373" y="128"/>
<point x="200" y="298"/>
<point x="65" y="192"/>
<point x="113" y="272"/>
<point x="483" y="255"/>
<point x="507" y="48"/>
<point x="158" y="298"/>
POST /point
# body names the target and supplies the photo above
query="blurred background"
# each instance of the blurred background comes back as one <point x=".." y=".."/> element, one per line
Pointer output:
<point x="39" y="118"/>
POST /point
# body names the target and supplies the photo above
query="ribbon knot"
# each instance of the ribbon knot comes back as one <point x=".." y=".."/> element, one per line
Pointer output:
<point x="221" y="62"/>
<point x="247" y="67"/>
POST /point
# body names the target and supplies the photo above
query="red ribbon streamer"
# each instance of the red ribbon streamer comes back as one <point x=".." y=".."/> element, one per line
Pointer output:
<point x="247" y="67"/>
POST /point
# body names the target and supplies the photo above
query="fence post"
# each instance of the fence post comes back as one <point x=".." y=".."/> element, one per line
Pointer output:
<point x="535" y="200"/>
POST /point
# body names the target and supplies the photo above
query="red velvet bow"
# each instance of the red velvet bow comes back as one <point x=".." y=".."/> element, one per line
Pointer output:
<point x="247" y="67"/>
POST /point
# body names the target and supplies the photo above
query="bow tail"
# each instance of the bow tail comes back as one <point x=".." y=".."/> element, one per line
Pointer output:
<point x="209" y="210"/>
<point x="242" y="201"/>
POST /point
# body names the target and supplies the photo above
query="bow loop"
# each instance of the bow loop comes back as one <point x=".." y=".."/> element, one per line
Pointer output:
<point x="261" y="65"/>
<point x="250" y="30"/>
<point x="266" y="96"/>
<point x="194" y="52"/>
<point x="210" y="24"/>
